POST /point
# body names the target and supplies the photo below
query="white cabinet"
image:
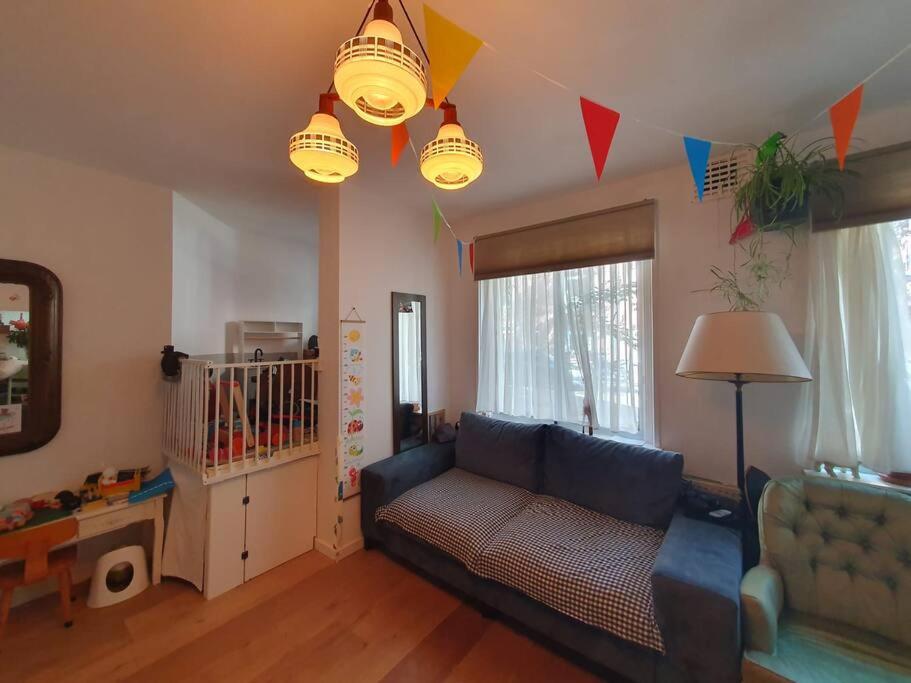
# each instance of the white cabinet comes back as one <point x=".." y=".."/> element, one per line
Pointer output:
<point x="258" y="521"/>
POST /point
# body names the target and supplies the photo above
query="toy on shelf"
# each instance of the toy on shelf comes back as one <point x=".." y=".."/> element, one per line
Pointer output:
<point x="15" y="515"/>
<point x="45" y="501"/>
<point x="110" y="485"/>
<point x="156" y="486"/>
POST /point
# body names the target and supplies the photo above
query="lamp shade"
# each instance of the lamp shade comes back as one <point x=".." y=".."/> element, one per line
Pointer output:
<point x="745" y="346"/>
<point x="451" y="161"/>
<point x="321" y="150"/>
<point x="379" y="77"/>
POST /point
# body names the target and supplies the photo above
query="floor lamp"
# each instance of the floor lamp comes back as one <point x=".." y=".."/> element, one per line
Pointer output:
<point x="741" y="347"/>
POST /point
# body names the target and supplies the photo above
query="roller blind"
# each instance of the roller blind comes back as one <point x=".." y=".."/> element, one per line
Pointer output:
<point x="880" y="192"/>
<point x="623" y="233"/>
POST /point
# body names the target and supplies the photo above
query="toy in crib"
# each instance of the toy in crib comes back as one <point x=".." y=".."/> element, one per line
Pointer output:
<point x="280" y="388"/>
<point x="289" y="385"/>
<point x="231" y="418"/>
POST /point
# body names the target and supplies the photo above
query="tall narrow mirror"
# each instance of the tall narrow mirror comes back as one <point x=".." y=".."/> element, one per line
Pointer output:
<point x="409" y="371"/>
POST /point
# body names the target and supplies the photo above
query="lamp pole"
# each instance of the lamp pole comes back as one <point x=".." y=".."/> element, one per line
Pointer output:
<point x="738" y="385"/>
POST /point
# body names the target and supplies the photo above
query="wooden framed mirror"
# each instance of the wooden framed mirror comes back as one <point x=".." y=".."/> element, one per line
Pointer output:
<point x="31" y="328"/>
<point x="409" y="371"/>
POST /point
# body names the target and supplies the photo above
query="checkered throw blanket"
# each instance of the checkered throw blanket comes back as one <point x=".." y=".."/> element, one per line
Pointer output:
<point x="582" y="563"/>
<point x="457" y="512"/>
<point x="591" y="567"/>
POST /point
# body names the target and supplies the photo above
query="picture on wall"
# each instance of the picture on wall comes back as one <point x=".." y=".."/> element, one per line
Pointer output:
<point x="353" y="418"/>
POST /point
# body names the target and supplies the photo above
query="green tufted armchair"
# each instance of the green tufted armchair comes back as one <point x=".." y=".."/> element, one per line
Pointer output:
<point x="831" y="598"/>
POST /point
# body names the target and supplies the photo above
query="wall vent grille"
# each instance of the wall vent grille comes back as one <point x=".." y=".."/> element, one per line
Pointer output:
<point x="722" y="176"/>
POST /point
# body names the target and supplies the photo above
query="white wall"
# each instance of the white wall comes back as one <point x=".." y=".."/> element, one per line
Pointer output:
<point x="224" y="273"/>
<point x="693" y="417"/>
<point x="385" y="245"/>
<point x="108" y="239"/>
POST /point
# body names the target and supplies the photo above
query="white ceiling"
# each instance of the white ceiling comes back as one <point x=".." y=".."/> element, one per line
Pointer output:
<point x="201" y="96"/>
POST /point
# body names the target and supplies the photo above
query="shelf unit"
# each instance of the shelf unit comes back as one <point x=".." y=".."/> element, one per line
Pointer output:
<point x="252" y="334"/>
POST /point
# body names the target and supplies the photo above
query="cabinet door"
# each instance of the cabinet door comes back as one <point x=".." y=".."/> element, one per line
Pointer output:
<point x="225" y="545"/>
<point x="281" y="515"/>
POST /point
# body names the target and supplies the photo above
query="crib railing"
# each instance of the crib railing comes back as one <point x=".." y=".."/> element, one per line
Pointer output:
<point x="226" y="419"/>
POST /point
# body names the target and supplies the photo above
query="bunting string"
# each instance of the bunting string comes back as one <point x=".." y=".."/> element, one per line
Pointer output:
<point x="872" y="75"/>
<point x="680" y="134"/>
<point x="417" y="158"/>
<point x="642" y="122"/>
<point x="454" y="48"/>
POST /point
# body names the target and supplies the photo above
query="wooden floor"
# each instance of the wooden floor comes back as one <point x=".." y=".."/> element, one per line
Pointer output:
<point x="363" y="619"/>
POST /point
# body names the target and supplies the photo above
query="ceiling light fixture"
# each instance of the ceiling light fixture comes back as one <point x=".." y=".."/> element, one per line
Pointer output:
<point x="321" y="150"/>
<point x="451" y="161"/>
<point x="377" y="75"/>
<point x="385" y="83"/>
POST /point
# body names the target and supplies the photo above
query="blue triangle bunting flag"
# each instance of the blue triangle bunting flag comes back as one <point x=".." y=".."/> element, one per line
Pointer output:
<point x="697" y="153"/>
<point x="459" y="253"/>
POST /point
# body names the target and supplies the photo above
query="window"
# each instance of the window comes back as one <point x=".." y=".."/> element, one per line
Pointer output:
<point x="562" y="346"/>
<point x="859" y="347"/>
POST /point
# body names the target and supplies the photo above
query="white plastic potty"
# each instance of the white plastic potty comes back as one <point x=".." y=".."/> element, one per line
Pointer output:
<point x="119" y="575"/>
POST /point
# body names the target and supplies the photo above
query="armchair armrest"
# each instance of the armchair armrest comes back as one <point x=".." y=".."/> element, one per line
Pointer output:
<point x="762" y="597"/>
<point x="696" y="586"/>
<point x="384" y="481"/>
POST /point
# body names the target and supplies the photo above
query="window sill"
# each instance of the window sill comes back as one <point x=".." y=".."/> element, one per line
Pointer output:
<point x="599" y="433"/>
<point x="866" y="477"/>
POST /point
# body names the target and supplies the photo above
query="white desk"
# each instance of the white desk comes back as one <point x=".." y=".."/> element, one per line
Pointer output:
<point x="104" y="520"/>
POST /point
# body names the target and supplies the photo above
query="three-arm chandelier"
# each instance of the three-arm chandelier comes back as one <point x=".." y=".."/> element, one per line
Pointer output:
<point x="385" y="83"/>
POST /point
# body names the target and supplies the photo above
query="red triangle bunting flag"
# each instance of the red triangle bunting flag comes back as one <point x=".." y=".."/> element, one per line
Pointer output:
<point x="843" y="115"/>
<point x="600" y="126"/>
<point x="399" y="140"/>
<point x="471" y="255"/>
<point x="743" y="230"/>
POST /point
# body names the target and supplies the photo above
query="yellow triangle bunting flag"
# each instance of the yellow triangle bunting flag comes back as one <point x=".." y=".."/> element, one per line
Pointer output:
<point x="451" y="48"/>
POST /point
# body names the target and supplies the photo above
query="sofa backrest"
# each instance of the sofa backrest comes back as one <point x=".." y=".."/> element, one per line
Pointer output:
<point x="843" y="551"/>
<point x="506" y="451"/>
<point x="634" y="483"/>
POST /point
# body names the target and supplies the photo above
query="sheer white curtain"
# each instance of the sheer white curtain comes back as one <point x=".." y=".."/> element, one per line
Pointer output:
<point x="548" y="342"/>
<point x="410" y="354"/>
<point x="858" y="344"/>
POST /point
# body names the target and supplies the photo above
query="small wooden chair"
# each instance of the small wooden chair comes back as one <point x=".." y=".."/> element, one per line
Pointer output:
<point x="33" y="547"/>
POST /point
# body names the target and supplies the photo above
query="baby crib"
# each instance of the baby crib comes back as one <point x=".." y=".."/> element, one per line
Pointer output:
<point x="225" y="419"/>
<point x="241" y="438"/>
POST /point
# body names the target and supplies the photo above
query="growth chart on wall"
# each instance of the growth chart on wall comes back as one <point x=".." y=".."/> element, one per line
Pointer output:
<point x="353" y="418"/>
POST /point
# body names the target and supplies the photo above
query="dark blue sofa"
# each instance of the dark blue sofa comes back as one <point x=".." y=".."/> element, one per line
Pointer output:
<point x="695" y="578"/>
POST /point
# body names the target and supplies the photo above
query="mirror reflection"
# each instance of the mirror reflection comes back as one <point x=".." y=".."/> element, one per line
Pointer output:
<point x="14" y="350"/>
<point x="410" y="379"/>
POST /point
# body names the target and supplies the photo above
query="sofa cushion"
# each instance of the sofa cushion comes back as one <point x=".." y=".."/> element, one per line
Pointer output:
<point x="581" y="563"/>
<point x="813" y="650"/>
<point x="457" y="512"/>
<point x="506" y="451"/>
<point x="632" y="483"/>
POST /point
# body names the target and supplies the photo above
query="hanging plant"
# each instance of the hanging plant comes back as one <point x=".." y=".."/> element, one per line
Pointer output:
<point x="781" y="182"/>
<point x="775" y="197"/>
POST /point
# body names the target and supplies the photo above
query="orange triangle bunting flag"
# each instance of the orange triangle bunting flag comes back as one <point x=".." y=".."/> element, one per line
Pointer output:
<point x="600" y="126"/>
<point x="399" y="140"/>
<point x="451" y="48"/>
<point x="843" y="115"/>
